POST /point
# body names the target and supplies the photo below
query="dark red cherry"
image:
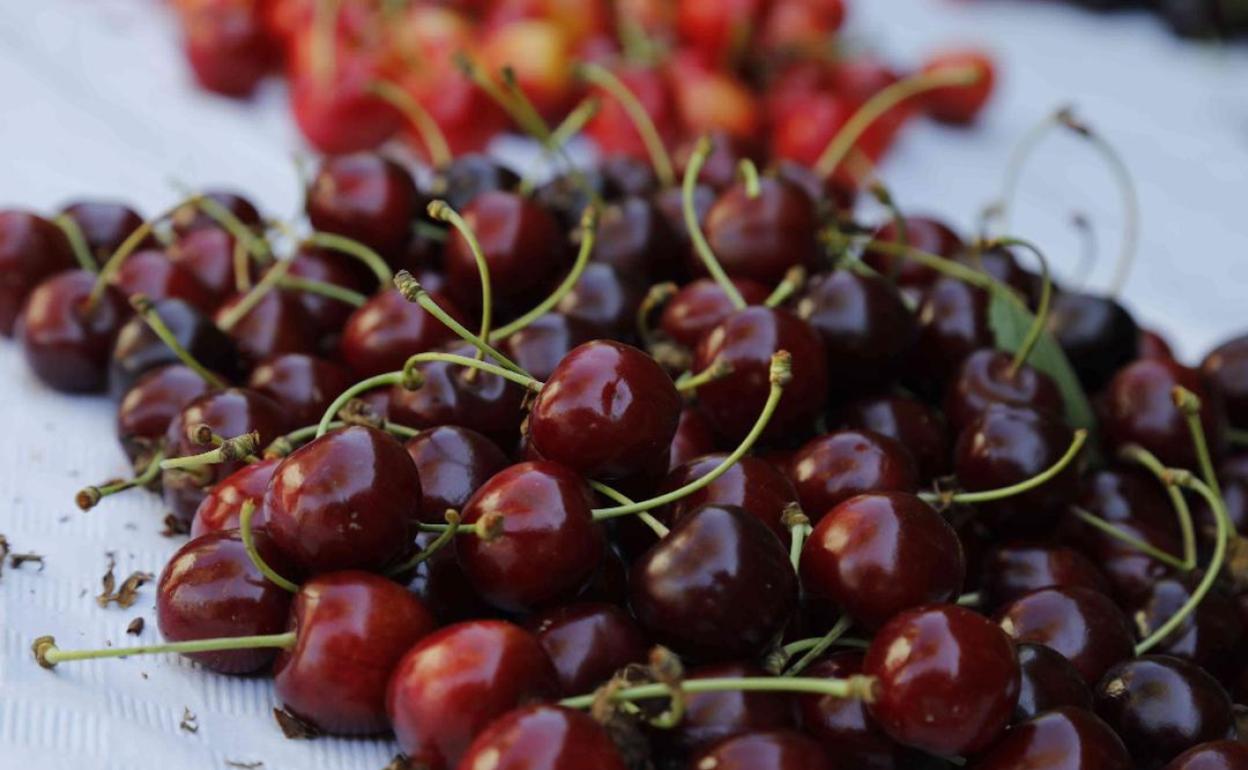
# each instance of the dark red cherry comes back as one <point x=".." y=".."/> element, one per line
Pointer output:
<point x="746" y="341"/>
<point x="1011" y="570"/>
<point x="1085" y="626"/>
<point x="948" y="679"/>
<point x="1125" y="494"/>
<point x="448" y="688"/>
<point x="1130" y="571"/>
<point x="694" y="437"/>
<point x="523" y="245"/>
<point x="346" y="500"/>
<point x="138" y="349"/>
<point x="543" y="737"/>
<point x="831" y="191"/>
<point x="606" y="300"/>
<point x="153" y="274"/>
<point x="918" y="427"/>
<point x="605" y="412"/>
<point x="207" y="253"/>
<point x="1048" y="681"/>
<point x="549" y="544"/>
<point x="720" y="170"/>
<point x="31" y="249"/>
<point x="1226" y="370"/>
<point x="567" y="195"/>
<point x="1006" y="445"/>
<point x="701" y="305"/>
<point x="922" y="233"/>
<point x="210" y="588"/>
<point x="1097" y="334"/>
<point x="953" y="323"/>
<point x="842" y="725"/>
<point x="539" y="347"/>
<point x="1208" y="636"/>
<point x="227" y="46"/>
<point x="670" y="203"/>
<point x="1214" y="755"/>
<point x="442" y="586"/>
<point x="634" y="238"/>
<point x="189" y="217"/>
<point x="588" y="643"/>
<point x="304" y="385"/>
<point x="624" y="176"/>
<point x="222" y="508"/>
<point x="1138" y="408"/>
<point x="275" y="325"/>
<point x="382" y="333"/>
<point x="366" y="197"/>
<point x="959" y="105"/>
<point x="152" y="403"/>
<point x="1153" y="345"/>
<point x="1067" y="738"/>
<point x="751" y="483"/>
<point x="865" y="326"/>
<point x="326" y="314"/>
<point x="771" y="750"/>
<point x="65" y="338"/>
<point x="999" y="263"/>
<point x="351" y="629"/>
<point x="1234" y="483"/>
<point x="728" y="606"/>
<point x="1162" y="706"/>
<point x="105" y="225"/>
<point x="831" y="469"/>
<point x="878" y="554"/>
<point x="762" y="237"/>
<point x="988" y="377"/>
<point x="471" y="175"/>
<point x="453" y="463"/>
<point x="715" y="716"/>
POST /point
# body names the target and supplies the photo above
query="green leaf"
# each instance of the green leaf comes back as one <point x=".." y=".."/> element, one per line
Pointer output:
<point x="1010" y="320"/>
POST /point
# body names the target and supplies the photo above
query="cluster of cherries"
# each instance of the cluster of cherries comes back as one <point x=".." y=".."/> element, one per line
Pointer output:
<point x="755" y="485"/>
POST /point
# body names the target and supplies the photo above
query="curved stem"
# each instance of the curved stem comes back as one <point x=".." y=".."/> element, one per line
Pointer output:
<point x="1036" y="331"/>
<point x="575" y="121"/>
<point x="1141" y="456"/>
<point x="284" y="445"/>
<point x="589" y="228"/>
<point x="77" y="242"/>
<point x="242" y="271"/>
<point x="48" y="655"/>
<point x="231" y="450"/>
<point x="659" y="158"/>
<point x="388" y="379"/>
<point x="882" y="102"/>
<point x="988" y="495"/>
<point x="88" y="497"/>
<point x="430" y="132"/>
<point x="749" y="177"/>
<point x="323" y="288"/>
<point x="249" y="545"/>
<point x="351" y="247"/>
<point x="146" y="310"/>
<point x="442" y="211"/>
<point x="718" y="370"/>
<point x="656" y="297"/>
<point x="793" y="280"/>
<point x="256" y="246"/>
<point x="780" y="375"/>
<point x="934" y="261"/>
<point x="1188" y="403"/>
<point x="1144" y="547"/>
<point x="821" y="646"/>
<point x="1018" y="158"/>
<point x="446" y="536"/>
<point x="271" y="278"/>
<point x="700" y="153"/>
<point x="517" y="113"/>
<point x="857" y="686"/>
<point x="656" y="526"/>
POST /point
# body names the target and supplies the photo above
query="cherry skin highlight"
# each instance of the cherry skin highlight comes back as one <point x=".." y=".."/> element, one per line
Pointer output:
<point x="543" y="737"/>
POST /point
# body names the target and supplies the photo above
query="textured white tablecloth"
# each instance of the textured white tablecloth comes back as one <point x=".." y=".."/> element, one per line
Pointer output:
<point x="94" y="101"/>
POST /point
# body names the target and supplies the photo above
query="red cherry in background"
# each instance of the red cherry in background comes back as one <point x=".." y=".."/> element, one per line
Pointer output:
<point x="761" y="237"/>
<point x="31" y="249"/>
<point x="207" y="253"/>
<point x="276" y="324"/>
<point x="922" y="233"/>
<point x="105" y="225"/>
<point x="189" y="216"/>
<point x="227" y="46"/>
<point x="384" y="332"/>
<point x="959" y="104"/>
<point x="138" y="349"/>
<point x="152" y="274"/>
<point x="303" y="384"/>
<point x="365" y="197"/>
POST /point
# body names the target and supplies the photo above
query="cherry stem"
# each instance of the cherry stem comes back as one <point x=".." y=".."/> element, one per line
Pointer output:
<point x="1141" y="456"/>
<point x="230" y="450"/>
<point x="488" y="527"/>
<point x="1040" y="479"/>
<point x="242" y="272"/>
<point x="1188" y="403"/>
<point x="88" y="497"/>
<point x="249" y="545"/>
<point x="412" y="291"/>
<point x="883" y="101"/>
<point x="656" y="297"/>
<point x="146" y="310"/>
<point x="749" y="177"/>
<point x="132" y="242"/>
<point x="827" y="640"/>
<point x="491" y="89"/>
<point x="447" y="536"/>
<point x="1014" y="166"/>
<point x="798" y="525"/>
<point x="656" y="526"/>
<point x="430" y="132"/>
<point x="256" y="246"/>
<point x="780" y="375"/>
<point x="1144" y="547"/>
<point x="858" y="686"/>
<point x="323" y="288"/>
<point x="575" y="121"/>
<point x="885" y="198"/>
<point x="718" y="370"/>
<point x="945" y="266"/>
<point x="972" y="599"/>
<point x="701" y="152"/>
<point x="284" y="445"/>
<point x="1222" y="520"/>
<point x="351" y="247"/>
<point x="792" y="282"/>
<point x="1036" y="331"/>
<point x="1087" y="253"/>
<point x="801" y="645"/>
<point x="589" y="229"/>
<point x="48" y="655"/>
<point x="441" y="211"/>
<point x="77" y="242"/>
<point x="636" y="112"/>
<point x="252" y="298"/>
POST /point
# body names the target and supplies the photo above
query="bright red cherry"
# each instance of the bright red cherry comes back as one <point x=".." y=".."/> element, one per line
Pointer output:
<point x="588" y="643"/>
<point x="543" y="737"/>
<point x="303" y="384"/>
<point x="65" y="338"/>
<point x="614" y="131"/>
<point x="959" y="104"/>
<point x="366" y="197"/>
<point x="227" y="46"/>
<point x="222" y="508"/>
<point x="1066" y="737"/>
<point x="31" y="249"/>
<point x="385" y="331"/>
<point x="833" y="468"/>
<point x="762" y="237"/>
<point x="1083" y="625"/>
<point x="339" y="114"/>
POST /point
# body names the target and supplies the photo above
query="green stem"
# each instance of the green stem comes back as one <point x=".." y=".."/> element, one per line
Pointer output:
<point x="430" y="132"/>
<point x="656" y="526"/>
<point x="858" y="686"/>
<point x="242" y="269"/>
<point x="793" y="280"/>
<point x="701" y="151"/>
<point x="272" y="277"/>
<point x="323" y="288"/>
<point x="77" y="242"/>
<point x="1018" y="158"/>
<point x="780" y="374"/>
<point x="575" y="121"/>
<point x="518" y="114"/>
<point x="442" y="212"/>
<point x="718" y="370"/>
<point x="749" y="176"/>
<point x="113" y="265"/>
<point x="656" y="297"/>
<point x="371" y="259"/>
<point x="249" y="545"/>
<point x="48" y="655"/>
<point x="88" y="497"/>
<point x="445" y="537"/>
<point x="284" y="445"/>
<point x="1040" y="479"/>
<point x="146" y="310"/>
<point x="256" y="246"/>
<point x="389" y="379"/>
<point x="821" y="646"/>
<point x="1036" y="331"/>
<point x="1141" y="456"/>
<point x="231" y="450"/>
<point x="1188" y="403"/>
<point x="1089" y="518"/>
<point x="659" y="158"/>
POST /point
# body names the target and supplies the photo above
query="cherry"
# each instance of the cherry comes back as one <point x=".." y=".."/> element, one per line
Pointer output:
<point x="718" y="608"/>
<point x="138" y="349"/>
<point x="542" y="344"/>
<point x="339" y="114"/>
<point x="792" y="24"/>
<point x="989" y="377"/>
<point x="721" y="167"/>
<point x="835" y="467"/>
<point x="449" y="687"/>
<point x="1153" y="345"/>
<point x="1011" y="570"/>
<point x="588" y="643"/>
<point x="953" y="323"/>
<point x="152" y="274"/>
<point x="711" y="717"/>
<point x="772" y="750"/>
<point x="1214" y="755"/>
<point x="1066" y="737"/>
<point x="670" y="204"/>
<point x="543" y="737"/>
<point x="104" y="225"/>
<point x="760" y="235"/>
<point x="999" y="263"/>
<point x="210" y="588"/>
<point x="453" y="463"/>
<point x="346" y="500"/>
<point x="701" y="305"/>
<point x="471" y="175"/>
<point x="842" y="725"/>
<point x="327" y="315"/>
<point x="605" y="411"/>
<point x="365" y="197"/>
<point x="1124" y="494"/>
<point x="147" y="408"/>
<point x="1049" y="681"/>
<point x="222" y="508"/>
<point x="1138" y="408"/>
<point x="1162" y="706"/>
<point x="1209" y="636"/>
<point x="274" y="325"/>
<point x="226" y="46"/>
<point x="751" y="483"/>
<point x="605" y="300"/>
<point x="66" y="333"/>
<point x="1130" y="571"/>
<point x="960" y="104"/>
<point x="745" y="341"/>
<point x="441" y="584"/>
<point x="918" y="427"/>
<point x="694" y="438"/>
<point x="383" y="333"/>
<point x="1006" y="445"/>
<point x="1085" y="626"/>
<point x="613" y="128"/>
<point x="207" y="253"/>
<point x="865" y="325"/>
<point x="351" y="629"/>
<point x="922" y="233"/>
<point x="635" y="239"/>
<point x="304" y="385"/>
<point x="566" y="195"/>
<point x="1097" y="334"/>
<point x="1226" y="369"/>
<point x="948" y="679"/>
<point x="190" y="217"/>
<point x="31" y="249"/>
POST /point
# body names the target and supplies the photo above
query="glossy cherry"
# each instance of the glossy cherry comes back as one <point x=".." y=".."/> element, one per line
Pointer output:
<point x="1066" y="737"/>
<point x="1048" y="681"/>
<point x="328" y="315"/>
<point x="31" y="249"/>
<point x="65" y="338"/>
<point x="273" y="326"/>
<point x="453" y="463"/>
<point x="1138" y="408"/>
<point x="304" y="385"/>
<point x="442" y="586"/>
<point x="988" y="377"/>
<point x="606" y="300"/>
<point x="588" y="643"/>
<point x="761" y="237"/>
<point x="634" y="238"/>
<point x="1085" y="626"/>
<point x="1013" y="569"/>
<point x="1130" y="571"/>
<point x="831" y="469"/>
<point x="222" y="508"/>
<point x="147" y="408"/>
<point x="1119" y="494"/>
<point x="366" y="197"/>
<point x="694" y="437"/>
<point x="226" y="46"/>
<point x="769" y="750"/>
<point x="104" y="225"/>
<point x="153" y="274"/>
<point x="543" y="737"/>
<point x="1214" y="755"/>
<point x="918" y="427"/>
<point x="1209" y="636"/>
<point x="1226" y="369"/>
<point x="1097" y="334"/>
<point x="541" y="345"/>
<point x="842" y="725"/>
<point x="207" y="253"/>
<point x="715" y="716"/>
<point x="751" y="483"/>
<point x="138" y="349"/>
<point x="381" y="334"/>
<point x="953" y="323"/>
<point x="922" y="233"/>
<point x="701" y="305"/>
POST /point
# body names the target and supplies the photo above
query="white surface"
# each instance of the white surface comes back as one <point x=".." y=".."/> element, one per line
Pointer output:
<point x="96" y="103"/>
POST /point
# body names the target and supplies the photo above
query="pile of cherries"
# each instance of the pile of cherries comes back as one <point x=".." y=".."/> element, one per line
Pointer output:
<point x="722" y="477"/>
